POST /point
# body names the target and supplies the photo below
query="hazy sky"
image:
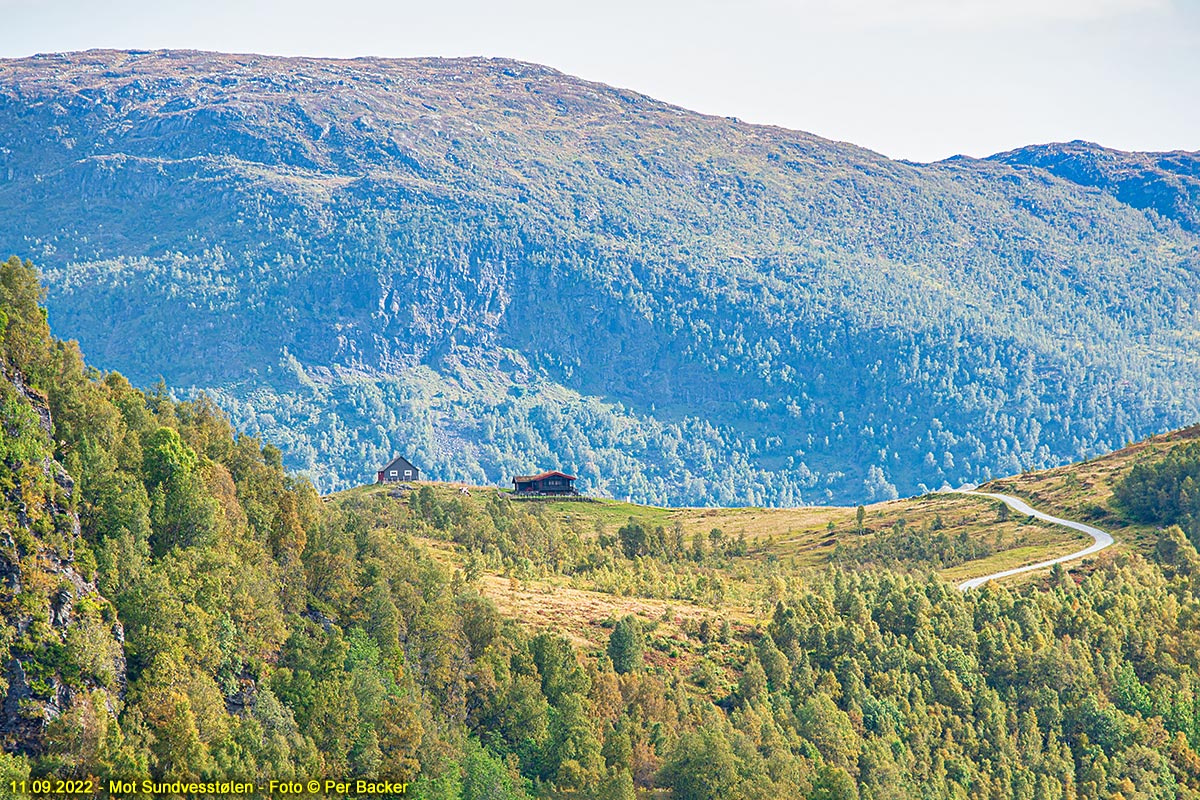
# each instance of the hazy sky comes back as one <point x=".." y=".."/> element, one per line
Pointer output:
<point x="918" y="79"/>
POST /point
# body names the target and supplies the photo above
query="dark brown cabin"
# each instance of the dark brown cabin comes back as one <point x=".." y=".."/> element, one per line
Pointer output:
<point x="398" y="469"/>
<point x="552" y="482"/>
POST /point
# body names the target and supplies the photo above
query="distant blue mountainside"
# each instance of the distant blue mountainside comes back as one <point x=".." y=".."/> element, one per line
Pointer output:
<point x="1166" y="183"/>
<point x="491" y="267"/>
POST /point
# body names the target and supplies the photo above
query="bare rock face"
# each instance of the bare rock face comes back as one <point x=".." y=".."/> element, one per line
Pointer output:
<point x="243" y="701"/>
<point x="47" y="606"/>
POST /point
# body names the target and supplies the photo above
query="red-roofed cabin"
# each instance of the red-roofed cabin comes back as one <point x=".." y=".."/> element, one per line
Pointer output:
<point x="545" y="483"/>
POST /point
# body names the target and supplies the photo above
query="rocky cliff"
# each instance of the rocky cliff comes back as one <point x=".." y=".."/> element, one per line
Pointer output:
<point x="47" y="597"/>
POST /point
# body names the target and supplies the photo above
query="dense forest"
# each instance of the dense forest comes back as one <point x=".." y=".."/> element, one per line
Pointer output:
<point x="1165" y="491"/>
<point x="493" y="267"/>
<point x="177" y="606"/>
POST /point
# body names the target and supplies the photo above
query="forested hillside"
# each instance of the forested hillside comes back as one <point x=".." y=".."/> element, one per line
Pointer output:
<point x="490" y="267"/>
<point x="176" y="606"/>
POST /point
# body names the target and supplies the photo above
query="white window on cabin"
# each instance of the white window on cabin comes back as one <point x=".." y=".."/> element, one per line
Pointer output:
<point x="394" y="473"/>
<point x="408" y="473"/>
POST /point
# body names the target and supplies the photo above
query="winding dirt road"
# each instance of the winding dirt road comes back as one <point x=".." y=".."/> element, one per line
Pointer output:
<point x="1100" y="539"/>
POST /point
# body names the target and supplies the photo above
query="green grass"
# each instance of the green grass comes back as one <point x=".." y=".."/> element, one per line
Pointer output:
<point x="801" y="538"/>
<point x="1009" y="559"/>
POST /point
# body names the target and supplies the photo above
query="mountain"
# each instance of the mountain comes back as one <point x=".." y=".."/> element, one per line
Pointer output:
<point x="1166" y="183"/>
<point x="490" y="267"/>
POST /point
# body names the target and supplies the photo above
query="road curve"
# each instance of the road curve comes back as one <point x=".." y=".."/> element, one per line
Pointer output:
<point x="1100" y="539"/>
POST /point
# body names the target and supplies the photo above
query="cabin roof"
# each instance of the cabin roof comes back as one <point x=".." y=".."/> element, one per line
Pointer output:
<point x="395" y="462"/>
<point x="541" y="475"/>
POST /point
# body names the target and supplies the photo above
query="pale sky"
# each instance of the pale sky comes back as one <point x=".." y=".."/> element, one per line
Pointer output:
<point x="917" y="79"/>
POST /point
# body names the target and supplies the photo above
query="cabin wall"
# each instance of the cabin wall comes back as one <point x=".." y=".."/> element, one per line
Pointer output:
<point x="401" y="465"/>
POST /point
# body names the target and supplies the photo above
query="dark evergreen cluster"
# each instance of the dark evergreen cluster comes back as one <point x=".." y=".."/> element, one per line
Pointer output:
<point x="1164" y="490"/>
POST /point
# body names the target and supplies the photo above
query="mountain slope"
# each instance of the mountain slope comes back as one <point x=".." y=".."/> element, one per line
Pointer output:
<point x="492" y="266"/>
<point x="1167" y="183"/>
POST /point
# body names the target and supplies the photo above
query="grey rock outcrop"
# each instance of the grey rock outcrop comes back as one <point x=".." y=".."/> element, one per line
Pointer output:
<point x="43" y="594"/>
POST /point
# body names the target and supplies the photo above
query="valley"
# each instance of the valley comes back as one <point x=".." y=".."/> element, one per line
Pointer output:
<point x="767" y="356"/>
<point x="177" y="606"/>
<point x="767" y="548"/>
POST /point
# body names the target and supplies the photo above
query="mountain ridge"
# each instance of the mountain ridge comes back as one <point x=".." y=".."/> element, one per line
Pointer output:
<point x="1165" y="182"/>
<point x="335" y="251"/>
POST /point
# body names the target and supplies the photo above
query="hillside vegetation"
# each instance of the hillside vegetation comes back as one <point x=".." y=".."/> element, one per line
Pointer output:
<point x="176" y="606"/>
<point x="1167" y="183"/>
<point x="493" y="267"/>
